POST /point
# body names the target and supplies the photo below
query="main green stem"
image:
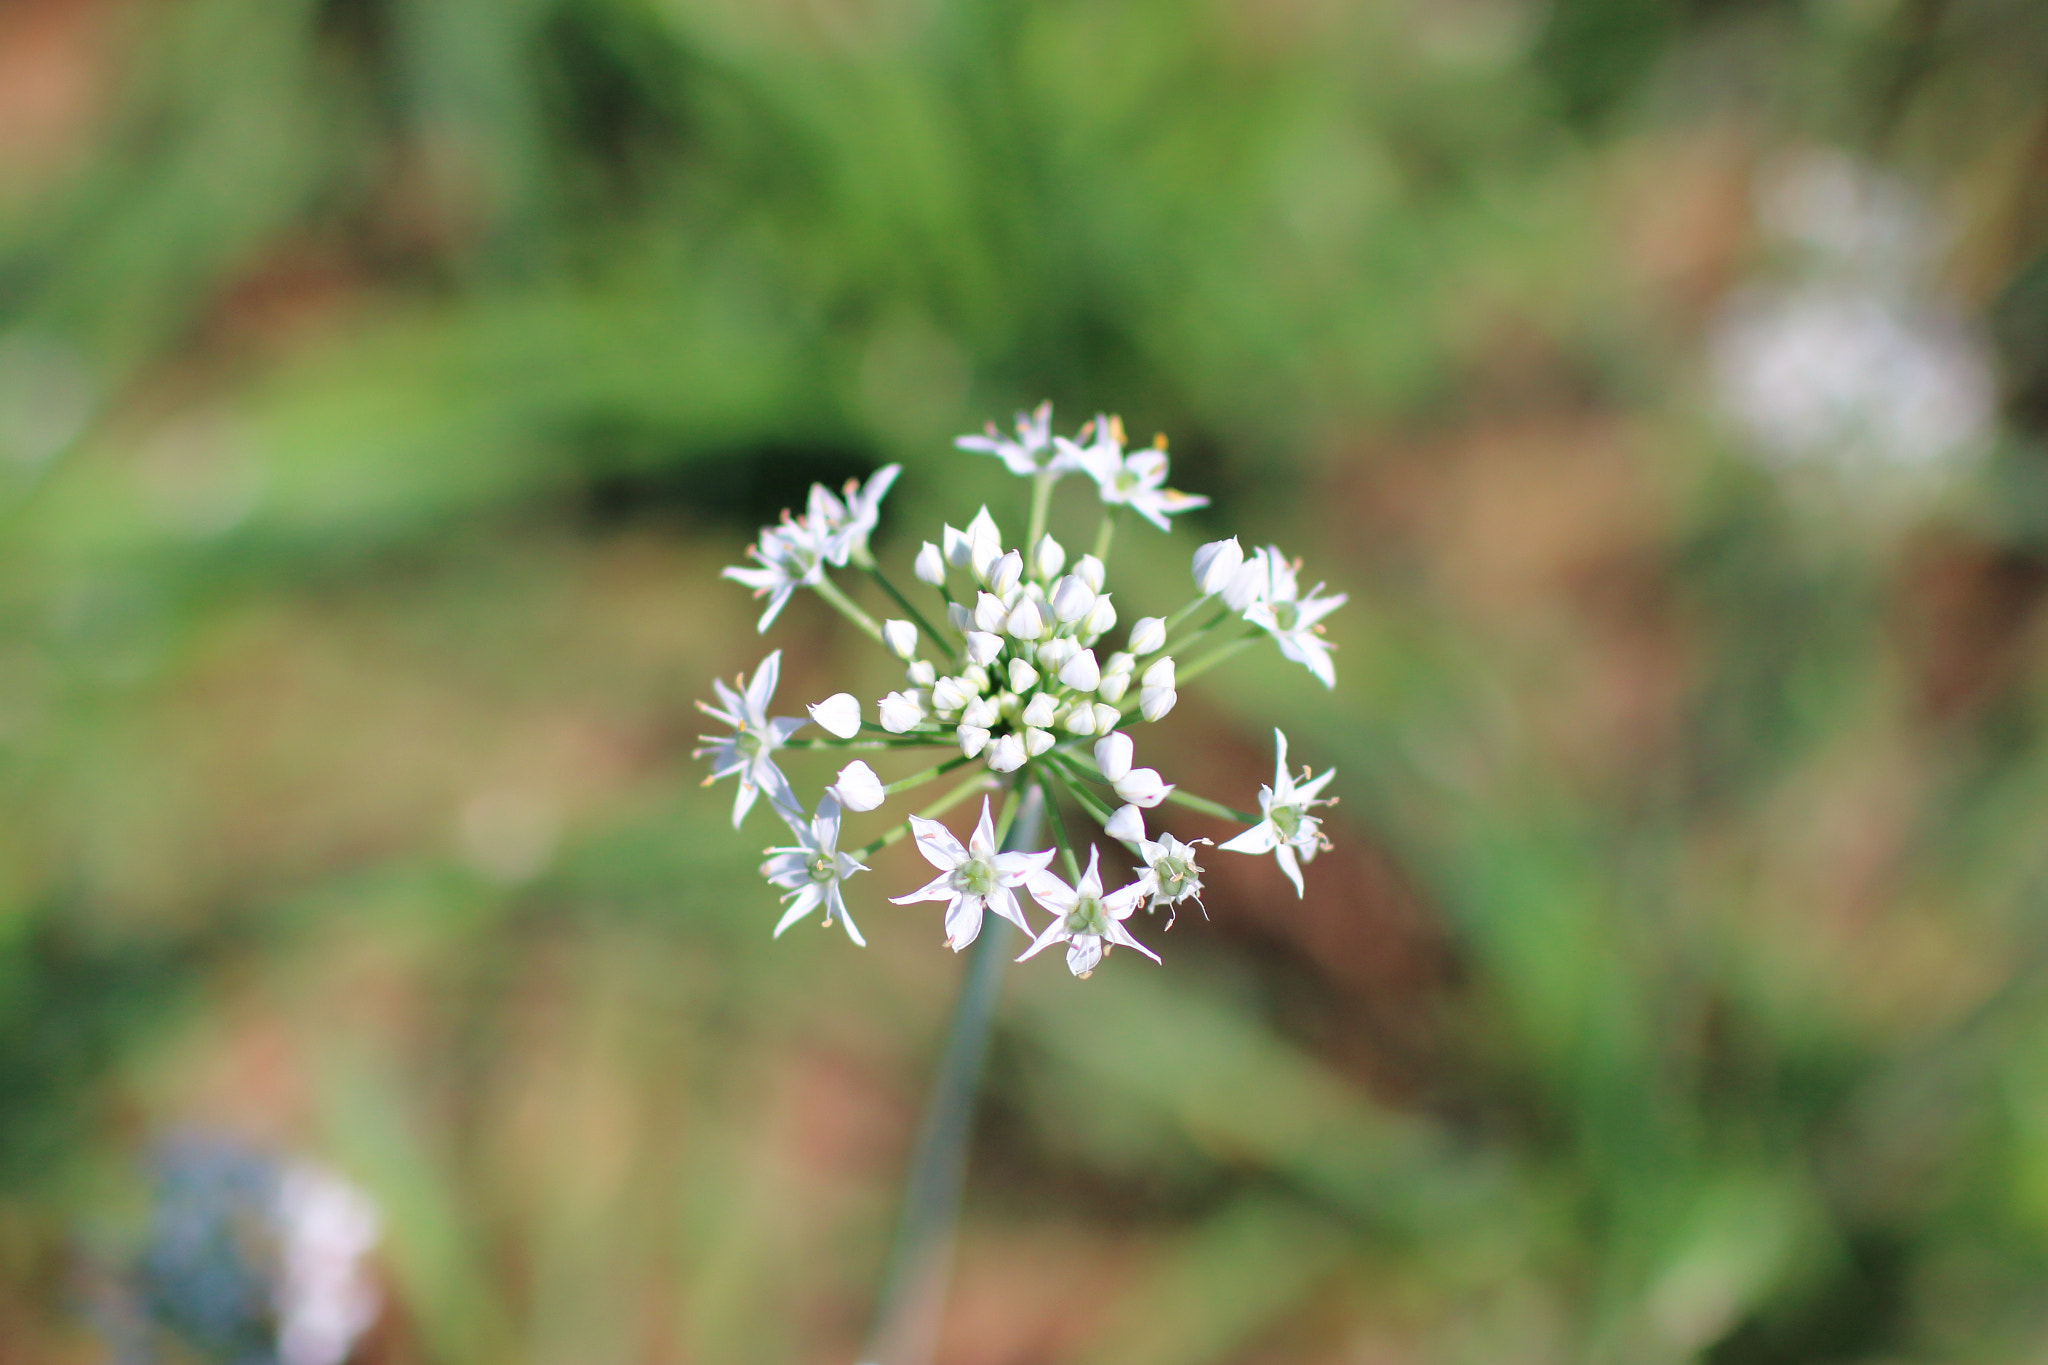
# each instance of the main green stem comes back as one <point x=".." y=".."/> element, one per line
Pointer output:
<point x="914" y="1287"/>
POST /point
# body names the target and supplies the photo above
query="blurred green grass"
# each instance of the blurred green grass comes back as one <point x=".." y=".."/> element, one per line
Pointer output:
<point x="382" y="383"/>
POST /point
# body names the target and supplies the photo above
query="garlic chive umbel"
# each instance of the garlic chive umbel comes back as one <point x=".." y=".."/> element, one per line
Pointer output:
<point x="1016" y="678"/>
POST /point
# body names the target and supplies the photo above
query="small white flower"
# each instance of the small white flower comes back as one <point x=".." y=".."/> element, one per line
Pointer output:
<point x="1090" y="570"/>
<point x="900" y="637"/>
<point x="1136" y="480"/>
<point x="901" y="711"/>
<point x="1053" y="654"/>
<point x="1087" y="921"/>
<point x="1142" y="787"/>
<point x="838" y="713"/>
<point x="858" y="788"/>
<point x="1128" y="824"/>
<point x="973" y="739"/>
<point x="1107" y="718"/>
<point x="1006" y="754"/>
<point x="1157" y="696"/>
<point x="921" y="673"/>
<point x="1216" y="564"/>
<point x="976" y="547"/>
<point x="1171" y="873"/>
<point x="982" y="711"/>
<point x="1005" y="573"/>
<point x="1021" y="456"/>
<point x="1081" y="672"/>
<point x="983" y="647"/>
<point x="1040" y="710"/>
<point x="1047" y="559"/>
<point x="1023" y="677"/>
<point x="1025" y="622"/>
<point x="1081" y="721"/>
<point x="1287" y="830"/>
<point x="1148" y="635"/>
<point x="1071" y="599"/>
<point x="989" y="612"/>
<point x="750" y="749"/>
<point x="812" y="870"/>
<point x="1113" y="756"/>
<point x="971" y="878"/>
<point x="787" y="557"/>
<point x="1037" y="741"/>
<point x="848" y="539"/>
<point x="1100" y="618"/>
<point x="931" y="565"/>
<point x="1292" y="618"/>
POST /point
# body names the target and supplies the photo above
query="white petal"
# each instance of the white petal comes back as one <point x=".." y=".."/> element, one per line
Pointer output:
<point x="1128" y="824"/>
<point x="900" y="637"/>
<point x="963" y="922"/>
<point x="1113" y="755"/>
<point x="838" y="713"/>
<point x="858" y="788"/>
<point x="761" y="690"/>
<point x="937" y="843"/>
<point x="1260" y="838"/>
<point x="1084" y="954"/>
<point x="1142" y="787"/>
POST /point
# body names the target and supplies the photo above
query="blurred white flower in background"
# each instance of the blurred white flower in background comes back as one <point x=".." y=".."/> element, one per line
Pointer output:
<point x="1846" y="355"/>
<point x="326" y="1299"/>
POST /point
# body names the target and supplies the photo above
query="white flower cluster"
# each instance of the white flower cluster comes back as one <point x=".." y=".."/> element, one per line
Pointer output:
<point x="1021" y="680"/>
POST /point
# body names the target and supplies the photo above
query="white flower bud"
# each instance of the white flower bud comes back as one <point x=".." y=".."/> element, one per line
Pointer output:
<point x="1113" y="755"/>
<point x="1081" y="672"/>
<point x="1023" y="677"/>
<point x="1142" y="787"/>
<point x="1119" y="662"/>
<point x="974" y="678"/>
<point x="1128" y="824"/>
<point x="1100" y="618"/>
<point x="1248" y="584"/>
<point x="1006" y="754"/>
<point x="1107" y="718"/>
<point x="1005" y="573"/>
<point x="983" y="647"/>
<point x="1090" y="571"/>
<point x="1155" y="701"/>
<point x="900" y="637"/>
<point x="973" y="739"/>
<point x="1025" y="623"/>
<point x="1148" y="635"/>
<point x="984" y="544"/>
<point x="1037" y="741"/>
<point x="1071" y="599"/>
<point x="1160" y="674"/>
<point x="839" y="713"/>
<point x="1053" y="654"/>
<point x="982" y="711"/>
<point x="1216" y="564"/>
<point x="901" y="711"/>
<point x="931" y="565"/>
<point x="858" y="788"/>
<point x="1040" y="710"/>
<point x="958" y="617"/>
<point x="1047" y="559"/>
<point x="959" y="549"/>
<point x="1113" y="686"/>
<point x="921" y="673"/>
<point x="989" y="612"/>
<point x="1081" y="721"/>
<point x="950" y="694"/>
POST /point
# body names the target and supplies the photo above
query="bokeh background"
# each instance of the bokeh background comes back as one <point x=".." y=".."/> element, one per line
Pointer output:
<point x="384" y="382"/>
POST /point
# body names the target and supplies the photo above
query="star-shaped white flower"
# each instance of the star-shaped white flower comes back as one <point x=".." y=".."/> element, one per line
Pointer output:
<point x="787" y="557"/>
<point x="750" y="749"/>
<point x="1136" y="480"/>
<point x="812" y="870"/>
<point x="1286" y="829"/>
<point x="846" y="526"/>
<point x="1170" y="874"/>
<point x="1291" y="617"/>
<point x="1021" y="456"/>
<point x="1087" y="921"/>
<point x="972" y="878"/>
